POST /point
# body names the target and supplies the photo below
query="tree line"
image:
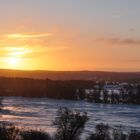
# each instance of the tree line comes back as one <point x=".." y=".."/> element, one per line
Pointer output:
<point x="67" y="89"/>
<point x="27" y="87"/>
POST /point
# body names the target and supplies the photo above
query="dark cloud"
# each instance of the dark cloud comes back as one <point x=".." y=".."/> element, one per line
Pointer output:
<point x="125" y="41"/>
<point x="119" y="41"/>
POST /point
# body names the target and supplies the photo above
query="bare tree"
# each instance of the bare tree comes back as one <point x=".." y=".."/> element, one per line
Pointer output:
<point x="70" y="124"/>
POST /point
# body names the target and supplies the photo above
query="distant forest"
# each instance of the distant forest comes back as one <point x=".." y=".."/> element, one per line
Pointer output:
<point x="42" y="88"/>
<point x="66" y="89"/>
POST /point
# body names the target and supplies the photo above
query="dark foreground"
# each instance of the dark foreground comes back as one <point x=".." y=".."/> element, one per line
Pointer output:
<point x="70" y="125"/>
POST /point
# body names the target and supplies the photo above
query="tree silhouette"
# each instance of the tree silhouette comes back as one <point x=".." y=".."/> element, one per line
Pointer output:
<point x="35" y="135"/>
<point x="70" y="124"/>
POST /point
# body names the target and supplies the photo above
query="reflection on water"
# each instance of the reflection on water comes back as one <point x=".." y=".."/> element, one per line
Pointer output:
<point x="39" y="113"/>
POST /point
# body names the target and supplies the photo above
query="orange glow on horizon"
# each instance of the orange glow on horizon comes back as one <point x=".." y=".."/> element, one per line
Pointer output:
<point x="48" y="51"/>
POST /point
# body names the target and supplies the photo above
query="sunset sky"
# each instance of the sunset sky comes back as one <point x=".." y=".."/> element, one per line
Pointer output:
<point x="70" y="35"/>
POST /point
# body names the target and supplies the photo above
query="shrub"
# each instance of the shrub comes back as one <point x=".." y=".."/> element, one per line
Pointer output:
<point x="34" y="135"/>
<point x="118" y="134"/>
<point x="70" y="124"/>
<point x="9" y="132"/>
<point x="134" y="135"/>
<point x="103" y="132"/>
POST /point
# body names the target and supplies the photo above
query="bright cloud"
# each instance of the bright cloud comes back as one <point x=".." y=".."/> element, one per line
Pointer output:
<point x="27" y="35"/>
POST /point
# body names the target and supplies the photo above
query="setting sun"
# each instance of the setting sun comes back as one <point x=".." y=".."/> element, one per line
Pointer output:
<point x="13" y="61"/>
<point x="14" y="57"/>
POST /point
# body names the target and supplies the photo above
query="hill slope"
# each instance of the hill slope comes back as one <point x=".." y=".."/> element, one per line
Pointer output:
<point x="73" y="75"/>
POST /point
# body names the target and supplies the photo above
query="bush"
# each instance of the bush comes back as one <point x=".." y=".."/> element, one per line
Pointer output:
<point x="118" y="134"/>
<point x="34" y="135"/>
<point x="9" y="132"/>
<point x="70" y="124"/>
<point x="102" y="133"/>
<point x="134" y="135"/>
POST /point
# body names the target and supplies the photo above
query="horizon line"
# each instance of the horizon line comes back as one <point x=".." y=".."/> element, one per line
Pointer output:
<point x="71" y="70"/>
